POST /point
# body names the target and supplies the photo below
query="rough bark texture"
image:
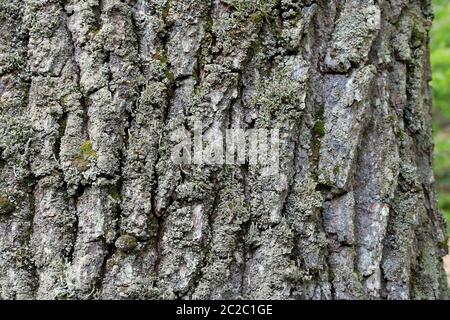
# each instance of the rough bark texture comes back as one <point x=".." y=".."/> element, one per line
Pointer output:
<point x="92" y="207"/>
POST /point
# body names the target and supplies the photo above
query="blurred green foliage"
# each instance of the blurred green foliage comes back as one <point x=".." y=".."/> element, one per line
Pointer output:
<point x="440" y="60"/>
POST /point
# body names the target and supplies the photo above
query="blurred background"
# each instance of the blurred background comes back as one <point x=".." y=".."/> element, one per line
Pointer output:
<point x="440" y="60"/>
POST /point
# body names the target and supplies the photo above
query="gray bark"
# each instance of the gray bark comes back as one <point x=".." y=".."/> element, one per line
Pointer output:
<point x="92" y="207"/>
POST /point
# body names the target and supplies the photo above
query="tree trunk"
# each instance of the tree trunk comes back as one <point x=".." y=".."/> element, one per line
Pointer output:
<point x="92" y="205"/>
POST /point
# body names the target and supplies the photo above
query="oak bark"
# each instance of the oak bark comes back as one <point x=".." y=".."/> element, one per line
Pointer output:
<point x="91" y="207"/>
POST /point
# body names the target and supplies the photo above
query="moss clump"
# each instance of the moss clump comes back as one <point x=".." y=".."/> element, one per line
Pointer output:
<point x="336" y="170"/>
<point x="315" y="150"/>
<point x="257" y="17"/>
<point x="6" y="206"/>
<point x="319" y="128"/>
<point x="114" y="193"/>
<point x="317" y="132"/>
<point x="169" y="75"/>
<point x="161" y="57"/>
<point x="87" y="151"/>
<point x="94" y="30"/>
<point x="82" y="161"/>
<point x="400" y="134"/>
<point x="126" y="243"/>
<point x="166" y="10"/>
<point x="63" y="102"/>
<point x="331" y="275"/>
